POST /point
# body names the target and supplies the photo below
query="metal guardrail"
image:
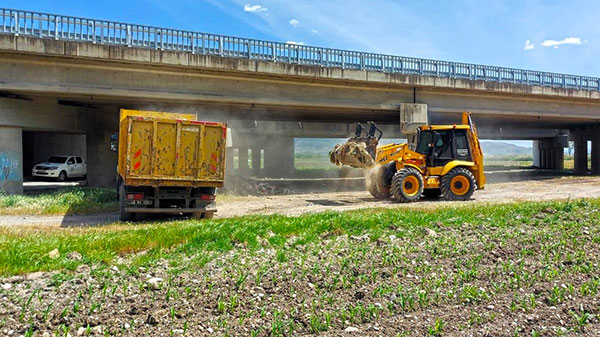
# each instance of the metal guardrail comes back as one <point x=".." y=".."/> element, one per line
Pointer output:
<point x="61" y="27"/>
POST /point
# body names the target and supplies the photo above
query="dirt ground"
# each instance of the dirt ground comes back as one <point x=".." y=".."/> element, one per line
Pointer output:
<point x="296" y="204"/>
<point x="528" y="276"/>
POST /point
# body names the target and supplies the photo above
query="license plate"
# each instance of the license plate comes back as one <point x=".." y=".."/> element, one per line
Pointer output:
<point x="140" y="202"/>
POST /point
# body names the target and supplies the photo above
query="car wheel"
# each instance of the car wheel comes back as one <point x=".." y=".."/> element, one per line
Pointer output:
<point x="62" y="176"/>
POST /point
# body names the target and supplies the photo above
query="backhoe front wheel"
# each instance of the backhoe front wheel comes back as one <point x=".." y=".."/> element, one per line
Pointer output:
<point x="407" y="185"/>
<point x="458" y="184"/>
<point x="376" y="183"/>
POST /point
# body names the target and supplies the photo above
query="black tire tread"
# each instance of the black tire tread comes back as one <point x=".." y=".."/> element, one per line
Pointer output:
<point x="445" y="184"/>
<point x="375" y="183"/>
<point x="123" y="216"/>
<point x="396" y="189"/>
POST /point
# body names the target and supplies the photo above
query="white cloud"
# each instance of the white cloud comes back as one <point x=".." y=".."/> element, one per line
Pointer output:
<point x="528" y="45"/>
<point x="294" y="23"/>
<point x="254" y="8"/>
<point x="296" y="43"/>
<point x="555" y="43"/>
<point x="314" y="31"/>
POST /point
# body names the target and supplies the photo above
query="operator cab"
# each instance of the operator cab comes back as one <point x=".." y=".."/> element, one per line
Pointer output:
<point x="444" y="145"/>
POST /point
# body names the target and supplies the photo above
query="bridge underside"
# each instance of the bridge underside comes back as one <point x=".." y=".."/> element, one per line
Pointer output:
<point x="60" y="88"/>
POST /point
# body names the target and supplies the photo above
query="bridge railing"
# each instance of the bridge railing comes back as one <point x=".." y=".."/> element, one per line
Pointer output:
<point x="60" y="27"/>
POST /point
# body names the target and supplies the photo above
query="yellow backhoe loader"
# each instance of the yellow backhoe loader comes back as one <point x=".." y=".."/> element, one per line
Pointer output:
<point x="445" y="160"/>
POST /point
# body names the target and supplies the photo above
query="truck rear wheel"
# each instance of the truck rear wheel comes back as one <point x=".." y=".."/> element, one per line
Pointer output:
<point x="203" y="215"/>
<point x="407" y="185"/>
<point x="123" y="216"/>
<point x="458" y="184"/>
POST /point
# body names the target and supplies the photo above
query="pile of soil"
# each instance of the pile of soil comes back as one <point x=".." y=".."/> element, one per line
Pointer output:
<point x="247" y="186"/>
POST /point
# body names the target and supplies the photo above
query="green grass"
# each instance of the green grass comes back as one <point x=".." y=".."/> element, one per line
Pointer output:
<point x="68" y="201"/>
<point x="25" y="250"/>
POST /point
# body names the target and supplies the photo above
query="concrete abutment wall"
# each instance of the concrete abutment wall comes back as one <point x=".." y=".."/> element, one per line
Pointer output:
<point x="11" y="160"/>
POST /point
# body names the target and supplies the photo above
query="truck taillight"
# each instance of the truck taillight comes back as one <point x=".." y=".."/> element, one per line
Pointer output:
<point x="207" y="197"/>
<point x="135" y="196"/>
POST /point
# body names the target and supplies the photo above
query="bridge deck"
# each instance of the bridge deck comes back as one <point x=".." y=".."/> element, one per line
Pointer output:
<point x="61" y="27"/>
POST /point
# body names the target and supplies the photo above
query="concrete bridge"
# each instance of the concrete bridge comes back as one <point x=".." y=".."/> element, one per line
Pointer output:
<point x="63" y="79"/>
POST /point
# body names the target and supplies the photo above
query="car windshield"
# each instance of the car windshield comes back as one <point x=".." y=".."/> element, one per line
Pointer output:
<point x="57" y="159"/>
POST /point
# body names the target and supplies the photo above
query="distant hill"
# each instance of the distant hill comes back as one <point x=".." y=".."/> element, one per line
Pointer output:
<point x="497" y="148"/>
<point x="322" y="146"/>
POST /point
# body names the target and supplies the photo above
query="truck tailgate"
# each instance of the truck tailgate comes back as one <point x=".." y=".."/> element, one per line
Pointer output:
<point x="172" y="152"/>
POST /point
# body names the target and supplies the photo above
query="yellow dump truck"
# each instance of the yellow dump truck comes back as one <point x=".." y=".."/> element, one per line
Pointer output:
<point x="168" y="163"/>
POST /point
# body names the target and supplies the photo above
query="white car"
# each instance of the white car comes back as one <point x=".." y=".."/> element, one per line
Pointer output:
<point x="61" y="168"/>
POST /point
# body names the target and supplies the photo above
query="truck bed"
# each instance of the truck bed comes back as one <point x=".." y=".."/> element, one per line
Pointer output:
<point x="159" y="151"/>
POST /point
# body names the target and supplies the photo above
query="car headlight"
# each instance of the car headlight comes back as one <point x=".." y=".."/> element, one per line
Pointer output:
<point x="53" y="167"/>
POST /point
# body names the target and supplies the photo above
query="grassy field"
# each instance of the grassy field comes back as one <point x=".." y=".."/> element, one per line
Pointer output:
<point x="67" y="201"/>
<point x="527" y="269"/>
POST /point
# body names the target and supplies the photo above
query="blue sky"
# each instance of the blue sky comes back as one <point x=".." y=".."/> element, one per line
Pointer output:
<point x="563" y="35"/>
<point x="557" y="36"/>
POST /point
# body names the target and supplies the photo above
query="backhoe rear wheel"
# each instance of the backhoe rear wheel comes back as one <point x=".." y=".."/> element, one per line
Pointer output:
<point x="407" y="185"/>
<point x="376" y="183"/>
<point x="458" y="184"/>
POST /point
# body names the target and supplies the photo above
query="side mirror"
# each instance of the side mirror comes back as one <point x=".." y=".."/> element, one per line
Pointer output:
<point x="114" y="142"/>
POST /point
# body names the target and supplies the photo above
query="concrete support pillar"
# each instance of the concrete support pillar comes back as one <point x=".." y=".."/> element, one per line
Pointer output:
<point x="549" y="153"/>
<point x="581" y="155"/>
<point x="279" y="157"/>
<point x="243" y="161"/>
<point x="536" y="154"/>
<point x="11" y="160"/>
<point x="229" y="161"/>
<point x="596" y="153"/>
<point x="256" y="161"/>
<point x="101" y="161"/>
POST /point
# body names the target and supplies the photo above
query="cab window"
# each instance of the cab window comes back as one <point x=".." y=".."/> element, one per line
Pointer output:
<point x="78" y="159"/>
<point x="425" y="138"/>
<point x="70" y="161"/>
<point x="462" y="145"/>
<point x="443" y="148"/>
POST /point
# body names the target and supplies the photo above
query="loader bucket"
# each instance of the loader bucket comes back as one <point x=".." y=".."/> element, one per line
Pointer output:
<point x="359" y="151"/>
<point x="352" y="153"/>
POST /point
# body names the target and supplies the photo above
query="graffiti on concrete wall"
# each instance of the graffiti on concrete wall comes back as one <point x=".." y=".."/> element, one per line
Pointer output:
<point x="9" y="167"/>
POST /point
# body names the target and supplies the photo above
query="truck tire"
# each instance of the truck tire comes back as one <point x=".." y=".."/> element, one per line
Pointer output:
<point x="407" y="185"/>
<point x="208" y="215"/>
<point x="432" y="193"/>
<point x="62" y="176"/>
<point x="203" y="215"/>
<point x="123" y="216"/>
<point x="376" y="183"/>
<point x="458" y="184"/>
